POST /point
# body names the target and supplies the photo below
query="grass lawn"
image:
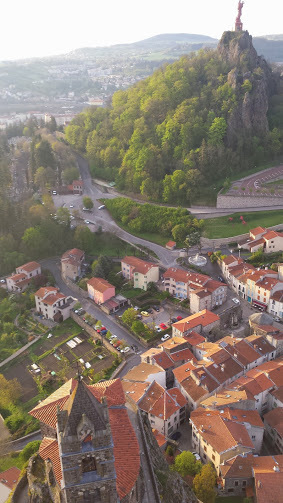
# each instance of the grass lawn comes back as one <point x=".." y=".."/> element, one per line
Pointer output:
<point x="220" y="227"/>
<point x="110" y="245"/>
<point x="229" y="499"/>
<point x="148" y="236"/>
<point x="10" y="460"/>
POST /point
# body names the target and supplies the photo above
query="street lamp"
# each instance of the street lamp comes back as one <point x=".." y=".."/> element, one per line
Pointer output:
<point x="240" y="251"/>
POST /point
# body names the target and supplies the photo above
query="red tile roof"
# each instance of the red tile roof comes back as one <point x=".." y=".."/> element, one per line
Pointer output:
<point x="272" y="234"/>
<point x="193" y="338"/>
<point x="163" y="360"/>
<point x="268" y="487"/>
<point x="49" y="449"/>
<point x="73" y="256"/>
<point x="186" y="276"/>
<point x="183" y="354"/>
<point x="267" y="283"/>
<point x="220" y="433"/>
<point x="99" y="284"/>
<point x="126" y="450"/>
<point x="257" y="230"/>
<point x="10" y="477"/>
<point x="160" y="402"/>
<point x="139" y="265"/>
<point x="171" y="244"/>
<point x="203" y="318"/>
<point x="230" y="259"/>
<point x="45" y="290"/>
<point x="242" y="466"/>
<point x="161" y="440"/>
<point x="275" y="419"/>
<point x="181" y="373"/>
<point x="29" y="266"/>
<point x="256" y="242"/>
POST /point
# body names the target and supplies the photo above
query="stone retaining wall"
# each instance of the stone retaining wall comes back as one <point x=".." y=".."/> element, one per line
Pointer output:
<point x="247" y="201"/>
<point x="214" y="243"/>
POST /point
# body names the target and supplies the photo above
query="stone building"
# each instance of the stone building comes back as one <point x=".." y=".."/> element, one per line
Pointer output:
<point x="89" y="446"/>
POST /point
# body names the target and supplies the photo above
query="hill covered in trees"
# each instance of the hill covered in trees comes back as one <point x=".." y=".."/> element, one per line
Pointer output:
<point x="190" y="124"/>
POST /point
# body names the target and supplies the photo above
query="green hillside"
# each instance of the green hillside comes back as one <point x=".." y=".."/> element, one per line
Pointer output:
<point x="190" y="124"/>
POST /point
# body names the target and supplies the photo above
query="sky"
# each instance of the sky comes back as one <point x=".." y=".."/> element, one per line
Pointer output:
<point x="33" y="28"/>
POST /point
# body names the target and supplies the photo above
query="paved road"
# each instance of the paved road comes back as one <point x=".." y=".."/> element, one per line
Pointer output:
<point x="108" y="320"/>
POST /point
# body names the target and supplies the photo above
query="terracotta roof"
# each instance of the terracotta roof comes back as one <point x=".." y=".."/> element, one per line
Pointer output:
<point x="278" y="393"/>
<point x="220" y="433"/>
<point x="222" y="372"/>
<point x="161" y="440"/>
<point x="73" y="256"/>
<point x="46" y="411"/>
<point x="160" y="402"/>
<point x="256" y="242"/>
<point x="17" y="277"/>
<point x="241" y="350"/>
<point x="201" y="293"/>
<point x="193" y="338"/>
<point x="257" y="230"/>
<point x="260" y="344"/>
<point x="141" y="372"/>
<point x="203" y="318"/>
<point x="78" y="182"/>
<point x="173" y="343"/>
<point x="238" y="415"/>
<point x="139" y="265"/>
<point x="45" y="290"/>
<point x="230" y="259"/>
<point x="242" y="466"/>
<point x="272" y="235"/>
<point x="134" y="390"/>
<point x="171" y="243"/>
<point x="10" y="477"/>
<point x="278" y="296"/>
<point x="99" y="284"/>
<point x="151" y="352"/>
<point x="267" y="283"/>
<point x="254" y="385"/>
<point x="181" y="373"/>
<point x="213" y="285"/>
<point x="126" y="450"/>
<point x="275" y="419"/>
<point x="183" y="354"/>
<point x="29" y="266"/>
<point x="227" y="397"/>
<point x="269" y="329"/>
<point x="49" y="449"/>
<point x="268" y="487"/>
<point x="163" y="360"/>
<point x="183" y="276"/>
<point x="112" y="390"/>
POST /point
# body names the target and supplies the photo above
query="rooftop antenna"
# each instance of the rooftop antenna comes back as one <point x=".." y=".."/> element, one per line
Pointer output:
<point x="238" y="23"/>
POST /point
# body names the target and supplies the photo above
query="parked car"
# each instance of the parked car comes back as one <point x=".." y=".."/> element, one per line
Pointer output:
<point x="116" y="344"/>
<point x="173" y="320"/>
<point x="101" y="207"/>
<point x="103" y="332"/>
<point x="86" y="221"/>
<point x="54" y="192"/>
<point x="71" y="205"/>
<point x="277" y="319"/>
<point x="3" y="281"/>
<point x="179" y="318"/>
<point x="176" y="435"/>
<point x="150" y="310"/>
<point x="196" y="455"/>
<point x="144" y="313"/>
<point x="139" y="316"/>
<point x="163" y="326"/>
<point x="158" y="329"/>
<point x="221" y="279"/>
<point x="235" y="300"/>
<point x="165" y="337"/>
<point x="125" y="350"/>
<point x="136" y="308"/>
<point x="156" y="308"/>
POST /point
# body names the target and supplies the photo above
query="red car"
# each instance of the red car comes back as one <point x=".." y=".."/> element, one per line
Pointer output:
<point x="179" y="318"/>
<point x="163" y="326"/>
<point x="118" y="343"/>
<point x="100" y="329"/>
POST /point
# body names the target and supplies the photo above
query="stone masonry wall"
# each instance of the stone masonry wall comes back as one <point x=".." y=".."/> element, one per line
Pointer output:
<point x="93" y="333"/>
<point x="229" y="201"/>
<point x="214" y="243"/>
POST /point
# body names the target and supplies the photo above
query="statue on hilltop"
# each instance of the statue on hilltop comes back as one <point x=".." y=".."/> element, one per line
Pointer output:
<point x="238" y="23"/>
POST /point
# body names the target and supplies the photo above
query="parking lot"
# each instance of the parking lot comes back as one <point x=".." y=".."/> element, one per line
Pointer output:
<point x="166" y="312"/>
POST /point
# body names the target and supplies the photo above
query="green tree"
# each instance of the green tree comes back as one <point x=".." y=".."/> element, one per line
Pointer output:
<point x="217" y="131"/>
<point x="129" y="316"/>
<point x="29" y="450"/>
<point x="87" y="202"/>
<point x="138" y="327"/>
<point x="186" y="464"/>
<point x="10" y="391"/>
<point x="204" y="484"/>
<point x="70" y="174"/>
<point x="44" y="155"/>
<point x="193" y="239"/>
<point x="63" y="216"/>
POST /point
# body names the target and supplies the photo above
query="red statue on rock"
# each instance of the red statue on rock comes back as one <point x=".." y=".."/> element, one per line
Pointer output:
<point x="239" y="24"/>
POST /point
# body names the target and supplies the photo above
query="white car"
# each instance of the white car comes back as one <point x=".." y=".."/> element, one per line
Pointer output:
<point x="101" y="207"/>
<point x="125" y="350"/>
<point x="2" y="281"/>
<point x="71" y="205"/>
<point x="113" y="337"/>
<point x="136" y="308"/>
<point x="196" y="455"/>
<point x="157" y="329"/>
<point x="235" y="300"/>
<point x="165" y="337"/>
<point x="87" y="222"/>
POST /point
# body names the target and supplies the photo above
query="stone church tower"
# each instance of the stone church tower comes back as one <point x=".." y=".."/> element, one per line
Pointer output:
<point x="86" y="449"/>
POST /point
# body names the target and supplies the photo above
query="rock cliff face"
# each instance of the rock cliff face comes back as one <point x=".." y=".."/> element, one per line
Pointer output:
<point x="253" y="82"/>
<point x="172" y="488"/>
